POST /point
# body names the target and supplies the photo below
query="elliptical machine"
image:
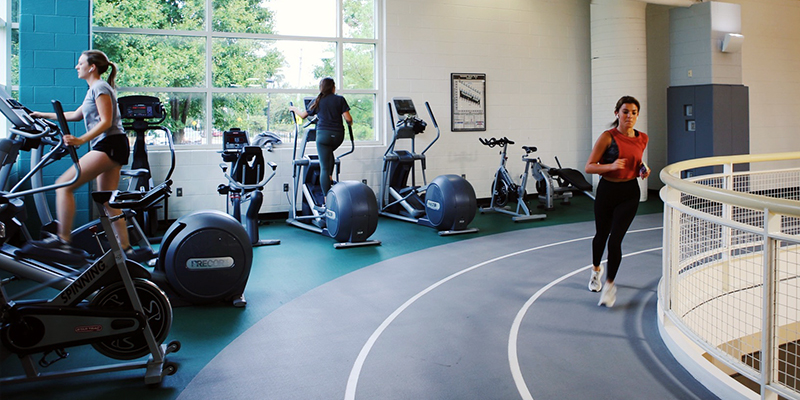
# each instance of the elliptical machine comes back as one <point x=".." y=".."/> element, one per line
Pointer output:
<point x="246" y="180"/>
<point x="350" y="215"/>
<point x="142" y="114"/>
<point x="447" y="204"/>
<point x="504" y="189"/>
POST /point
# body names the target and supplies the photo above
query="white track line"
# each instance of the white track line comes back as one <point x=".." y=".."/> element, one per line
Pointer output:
<point x="358" y="365"/>
<point x="513" y="359"/>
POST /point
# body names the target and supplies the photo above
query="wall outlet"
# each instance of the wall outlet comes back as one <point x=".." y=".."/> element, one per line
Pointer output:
<point x="179" y="192"/>
<point x="285" y="187"/>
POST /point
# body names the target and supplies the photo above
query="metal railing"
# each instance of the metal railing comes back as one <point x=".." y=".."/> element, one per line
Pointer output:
<point x="731" y="267"/>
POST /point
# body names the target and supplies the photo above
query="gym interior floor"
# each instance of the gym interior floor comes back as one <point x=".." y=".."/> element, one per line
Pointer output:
<point x="500" y="314"/>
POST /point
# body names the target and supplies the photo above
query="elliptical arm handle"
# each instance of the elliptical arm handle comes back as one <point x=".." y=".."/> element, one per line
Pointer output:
<point x="236" y="185"/>
<point x="296" y="135"/>
<point x="438" y="132"/>
<point x="62" y="121"/>
<point x="394" y="131"/>
<point x="352" y="142"/>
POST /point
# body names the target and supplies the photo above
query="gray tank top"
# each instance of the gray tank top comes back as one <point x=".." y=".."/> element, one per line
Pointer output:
<point x="91" y="116"/>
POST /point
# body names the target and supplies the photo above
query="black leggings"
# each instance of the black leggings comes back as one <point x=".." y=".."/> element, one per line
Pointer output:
<point x="615" y="207"/>
<point x="327" y="143"/>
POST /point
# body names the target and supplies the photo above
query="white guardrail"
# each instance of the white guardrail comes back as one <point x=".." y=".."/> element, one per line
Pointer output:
<point x="729" y="298"/>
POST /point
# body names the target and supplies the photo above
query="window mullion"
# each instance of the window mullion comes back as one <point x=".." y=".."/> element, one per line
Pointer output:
<point x="209" y="128"/>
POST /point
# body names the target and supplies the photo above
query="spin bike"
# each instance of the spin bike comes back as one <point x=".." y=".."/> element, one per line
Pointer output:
<point x="447" y="204"/>
<point x="350" y="214"/>
<point x="111" y="306"/>
<point x="504" y="189"/>
<point x="246" y="180"/>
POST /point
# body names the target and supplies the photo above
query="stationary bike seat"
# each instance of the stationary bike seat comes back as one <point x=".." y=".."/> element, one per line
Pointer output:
<point x="529" y="149"/>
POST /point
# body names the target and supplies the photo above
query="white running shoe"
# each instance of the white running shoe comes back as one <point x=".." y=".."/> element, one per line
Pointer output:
<point x="595" y="282"/>
<point x="609" y="295"/>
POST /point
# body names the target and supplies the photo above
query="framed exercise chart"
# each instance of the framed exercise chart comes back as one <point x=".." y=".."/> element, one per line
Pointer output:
<point x="468" y="102"/>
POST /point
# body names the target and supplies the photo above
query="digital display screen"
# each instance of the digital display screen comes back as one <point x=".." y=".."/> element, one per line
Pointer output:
<point x="404" y="106"/>
<point x="234" y="140"/>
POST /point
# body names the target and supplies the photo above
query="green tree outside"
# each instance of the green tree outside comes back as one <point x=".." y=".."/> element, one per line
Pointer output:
<point x="243" y="65"/>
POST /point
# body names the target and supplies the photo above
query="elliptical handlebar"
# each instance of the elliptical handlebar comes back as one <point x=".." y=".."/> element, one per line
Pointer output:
<point x="296" y="136"/>
<point x="240" y="186"/>
<point x="352" y="142"/>
<point x="390" y="148"/>
<point x="435" y="125"/>
<point x="60" y="147"/>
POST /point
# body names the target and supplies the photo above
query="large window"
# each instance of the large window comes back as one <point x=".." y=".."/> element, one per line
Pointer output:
<point x="219" y="64"/>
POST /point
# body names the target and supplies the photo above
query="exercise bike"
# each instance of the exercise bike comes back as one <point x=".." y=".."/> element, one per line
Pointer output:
<point x="447" y="204"/>
<point x="204" y="256"/>
<point x="504" y="189"/>
<point x="350" y="214"/>
<point x="110" y="305"/>
<point x="246" y="180"/>
<point x="558" y="184"/>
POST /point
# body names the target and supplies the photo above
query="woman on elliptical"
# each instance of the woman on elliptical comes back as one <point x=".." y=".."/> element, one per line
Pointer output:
<point x="108" y="153"/>
<point x="329" y="108"/>
<point x="617" y="158"/>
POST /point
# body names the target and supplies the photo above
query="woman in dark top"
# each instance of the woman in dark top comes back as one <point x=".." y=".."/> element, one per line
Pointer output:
<point x="617" y="157"/>
<point x="329" y="108"/>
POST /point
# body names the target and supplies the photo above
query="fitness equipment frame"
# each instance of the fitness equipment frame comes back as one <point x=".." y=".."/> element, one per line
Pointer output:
<point x="504" y="189"/>
<point x="447" y="204"/>
<point x="350" y="214"/>
<point x="558" y="183"/>
<point x="246" y="180"/>
<point x="142" y="114"/>
<point x="204" y="257"/>
<point x="105" y="303"/>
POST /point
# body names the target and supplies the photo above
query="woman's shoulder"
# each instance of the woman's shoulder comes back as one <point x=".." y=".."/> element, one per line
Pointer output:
<point x="101" y="87"/>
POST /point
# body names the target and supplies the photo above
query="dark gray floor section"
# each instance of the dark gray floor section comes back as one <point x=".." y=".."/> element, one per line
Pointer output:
<point x="452" y="343"/>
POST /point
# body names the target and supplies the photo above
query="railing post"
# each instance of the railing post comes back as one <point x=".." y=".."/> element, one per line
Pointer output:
<point x="670" y="244"/>
<point x="769" y="346"/>
<point x="727" y="214"/>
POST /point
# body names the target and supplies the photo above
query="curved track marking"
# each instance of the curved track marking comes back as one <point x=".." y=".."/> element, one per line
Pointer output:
<point x="358" y="364"/>
<point x="513" y="359"/>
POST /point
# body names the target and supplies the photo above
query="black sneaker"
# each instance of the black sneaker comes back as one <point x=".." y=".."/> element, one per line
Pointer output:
<point x="53" y="248"/>
<point x="54" y="242"/>
<point x="142" y="255"/>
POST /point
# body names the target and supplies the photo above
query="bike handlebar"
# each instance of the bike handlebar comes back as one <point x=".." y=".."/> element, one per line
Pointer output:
<point x="496" y="142"/>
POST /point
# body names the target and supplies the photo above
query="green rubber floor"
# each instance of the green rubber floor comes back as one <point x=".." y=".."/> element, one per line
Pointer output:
<point x="303" y="261"/>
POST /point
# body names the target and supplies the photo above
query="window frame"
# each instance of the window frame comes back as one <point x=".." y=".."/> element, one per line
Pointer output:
<point x="209" y="90"/>
<point x="6" y="34"/>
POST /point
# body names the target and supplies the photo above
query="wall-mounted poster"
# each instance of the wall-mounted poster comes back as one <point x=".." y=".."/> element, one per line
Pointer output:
<point x="468" y="102"/>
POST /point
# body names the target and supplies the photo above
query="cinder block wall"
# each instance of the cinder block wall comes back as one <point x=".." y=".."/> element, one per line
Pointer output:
<point x="53" y="33"/>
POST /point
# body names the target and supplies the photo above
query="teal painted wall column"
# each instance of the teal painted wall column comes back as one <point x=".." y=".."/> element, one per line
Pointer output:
<point x="52" y="35"/>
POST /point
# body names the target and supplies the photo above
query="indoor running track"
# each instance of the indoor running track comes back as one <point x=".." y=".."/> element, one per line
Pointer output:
<point x="506" y="316"/>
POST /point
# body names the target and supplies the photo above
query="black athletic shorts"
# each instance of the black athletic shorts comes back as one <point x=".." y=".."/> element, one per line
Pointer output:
<point x="116" y="146"/>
